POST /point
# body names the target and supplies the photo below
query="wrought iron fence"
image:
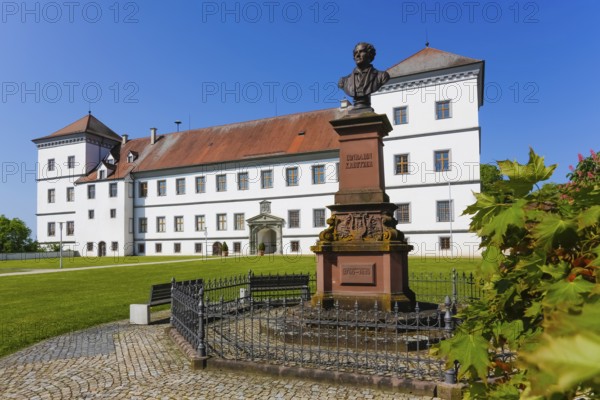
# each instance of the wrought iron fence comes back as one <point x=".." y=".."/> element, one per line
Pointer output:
<point x="220" y="318"/>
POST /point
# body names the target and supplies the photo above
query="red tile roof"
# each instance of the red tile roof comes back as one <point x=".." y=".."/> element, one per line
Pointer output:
<point x="87" y="124"/>
<point x="289" y="134"/>
<point x="429" y="59"/>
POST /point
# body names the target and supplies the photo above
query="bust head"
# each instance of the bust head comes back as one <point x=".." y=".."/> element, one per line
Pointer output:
<point x="364" y="54"/>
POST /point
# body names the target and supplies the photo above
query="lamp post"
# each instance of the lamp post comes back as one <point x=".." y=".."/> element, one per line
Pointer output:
<point x="206" y="242"/>
<point x="60" y="224"/>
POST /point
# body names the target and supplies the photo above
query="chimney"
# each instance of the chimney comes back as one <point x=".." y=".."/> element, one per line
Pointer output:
<point x="152" y="135"/>
<point x="344" y="103"/>
<point x="124" y="139"/>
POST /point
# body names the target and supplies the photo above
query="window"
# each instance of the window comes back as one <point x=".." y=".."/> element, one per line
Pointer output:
<point x="177" y="247"/>
<point x="238" y="222"/>
<point x="318" y="217"/>
<point x="403" y="213"/>
<point x="114" y="246"/>
<point x="444" y="242"/>
<point x="291" y="176"/>
<point x="161" y="225"/>
<point x="266" y="179"/>
<point x="401" y="164"/>
<point x="444" y="211"/>
<point x="221" y="222"/>
<point x="221" y="183"/>
<point x="89" y="246"/>
<point x="401" y="115"/>
<point x="71" y="162"/>
<point x="295" y="246"/>
<point x="91" y="191"/>
<point x="130" y="225"/>
<point x="70" y="228"/>
<point x="237" y="247"/>
<point x="158" y="247"/>
<point x="200" y="184"/>
<point x="179" y="224"/>
<point x="51" y="228"/>
<point x="200" y="223"/>
<point x="318" y="174"/>
<point x="198" y="247"/>
<point x="141" y="248"/>
<point x="161" y="188"/>
<point x="90" y="214"/>
<point x="113" y="213"/>
<point x="112" y="189"/>
<point x="442" y="160"/>
<point x="51" y="195"/>
<point x="294" y="219"/>
<point x="143" y="189"/>
<point x="143" y="225"/>
<point x="180" y="186"/>
<point x="101" y="174"/>
<point x="442" y="109"/>
<point x="243" y="181"/>
<point x="51" y="164"/>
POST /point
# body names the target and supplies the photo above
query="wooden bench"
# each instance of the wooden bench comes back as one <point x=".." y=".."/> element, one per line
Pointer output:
<point x="267" y="286"/>
<point x="160" y="294"/>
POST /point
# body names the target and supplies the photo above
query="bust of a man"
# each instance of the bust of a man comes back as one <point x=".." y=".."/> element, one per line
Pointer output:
<point x="364" y="79"/>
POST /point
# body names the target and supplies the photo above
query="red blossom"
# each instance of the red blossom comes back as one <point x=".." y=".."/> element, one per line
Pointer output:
<point x="580" y="157"/>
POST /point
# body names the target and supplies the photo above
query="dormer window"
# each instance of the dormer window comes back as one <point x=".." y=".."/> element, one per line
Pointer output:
<point x="131" y="157"/>
<point x="110" y="159"/>
<point x="101" y="174"/>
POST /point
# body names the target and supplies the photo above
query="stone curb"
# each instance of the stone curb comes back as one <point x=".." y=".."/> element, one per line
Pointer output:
<point x="407" y="386"/>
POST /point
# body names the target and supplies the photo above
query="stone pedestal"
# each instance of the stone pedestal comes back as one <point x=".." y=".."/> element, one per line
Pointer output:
<point x="361" y="256"/>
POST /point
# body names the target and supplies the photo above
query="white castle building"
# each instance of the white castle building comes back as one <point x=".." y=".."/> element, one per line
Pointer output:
<point x="267" y="181"/>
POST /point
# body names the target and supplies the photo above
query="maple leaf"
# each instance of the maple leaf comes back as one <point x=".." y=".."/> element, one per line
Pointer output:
<point x="471" y="351"/>
<point x="522" y="177"/>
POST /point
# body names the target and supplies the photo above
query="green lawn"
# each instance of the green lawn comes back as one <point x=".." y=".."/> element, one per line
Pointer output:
<point x="79" y="262"/>
<point x="36" y="307"/>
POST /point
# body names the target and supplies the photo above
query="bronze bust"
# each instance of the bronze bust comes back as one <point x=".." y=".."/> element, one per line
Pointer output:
<point x="364" y="79"/>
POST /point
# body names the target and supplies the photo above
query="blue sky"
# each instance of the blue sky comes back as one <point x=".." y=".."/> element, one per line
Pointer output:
<point x="146" y="64"/>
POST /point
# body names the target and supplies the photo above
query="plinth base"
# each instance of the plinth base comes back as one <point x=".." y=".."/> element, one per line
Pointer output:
<point x="384" y="302"/>
<point x="363" y="273"/>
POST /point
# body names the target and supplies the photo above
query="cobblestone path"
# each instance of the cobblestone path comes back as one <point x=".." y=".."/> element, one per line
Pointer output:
<point x="122" y="361"/>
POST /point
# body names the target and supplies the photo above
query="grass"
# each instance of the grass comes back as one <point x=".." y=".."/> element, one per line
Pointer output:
<point x="81" y="262"/>
<point x="36" y="307"/>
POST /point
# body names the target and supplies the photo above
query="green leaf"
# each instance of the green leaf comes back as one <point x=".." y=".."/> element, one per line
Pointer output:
<point x="553" y="229"/>
<point x="506" y="391"/>
<point x="588" y="217"/>
<point x="565" y="293"/>
<point x="510" y="331"/>
<point x="504" y="215"/>
<point x="570" y="360"/>
<point x="471" y="351"/>
<point x="523" y="177"/>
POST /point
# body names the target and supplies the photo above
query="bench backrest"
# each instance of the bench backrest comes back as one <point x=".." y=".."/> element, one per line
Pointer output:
<point x="160" y="294"/>
<point x="278" y="281"/>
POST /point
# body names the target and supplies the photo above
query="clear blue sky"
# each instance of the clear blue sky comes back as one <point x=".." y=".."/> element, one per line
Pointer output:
<point x="147" y="64"/>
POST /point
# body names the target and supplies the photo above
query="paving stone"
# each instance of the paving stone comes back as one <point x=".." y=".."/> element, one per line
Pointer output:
<point x="122" y="361"/>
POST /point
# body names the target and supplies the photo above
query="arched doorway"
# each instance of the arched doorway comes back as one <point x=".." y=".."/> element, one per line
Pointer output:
<point x="269" y="238"/>
<point x="216" y="249"/>
<point x="101" y="249"/>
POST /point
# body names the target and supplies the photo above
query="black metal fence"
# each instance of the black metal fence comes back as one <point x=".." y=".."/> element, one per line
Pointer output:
<point x="219" y="318"/>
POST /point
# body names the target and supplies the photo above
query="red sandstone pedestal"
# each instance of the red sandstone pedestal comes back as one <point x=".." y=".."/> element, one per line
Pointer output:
<point x="361" y="256"/>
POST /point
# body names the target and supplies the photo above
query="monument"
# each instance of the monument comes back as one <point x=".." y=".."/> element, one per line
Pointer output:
<point x="361" y="256"/>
